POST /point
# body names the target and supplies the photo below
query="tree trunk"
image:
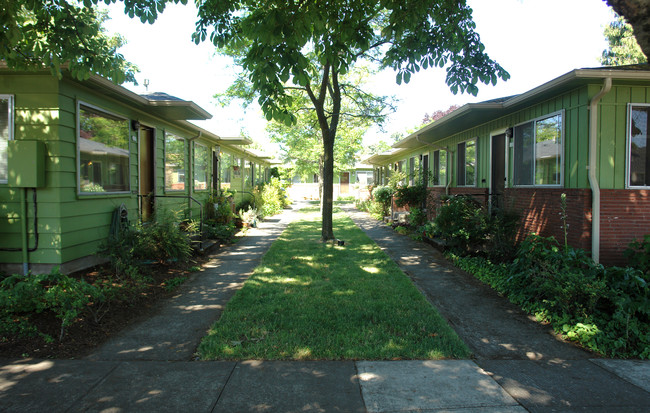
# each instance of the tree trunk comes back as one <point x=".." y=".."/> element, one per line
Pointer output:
<point x="327" y="198"/>
<point x="637" y="13"/>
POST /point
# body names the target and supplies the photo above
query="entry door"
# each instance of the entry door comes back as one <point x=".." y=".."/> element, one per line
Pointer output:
<point x="345" y="183"/>
<point x="498" y="181"/>
<point x="146" y="173"/>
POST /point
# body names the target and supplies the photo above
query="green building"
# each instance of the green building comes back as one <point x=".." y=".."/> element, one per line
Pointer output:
<point x="73" y="152"/>
<point x="584" y="134"/>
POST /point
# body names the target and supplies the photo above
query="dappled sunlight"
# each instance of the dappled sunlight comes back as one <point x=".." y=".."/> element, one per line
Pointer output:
<point x="302" y="353"/>
<point x="282" y="280"/>
<point x="371" y="270"/>
<point x="347" y="292"/>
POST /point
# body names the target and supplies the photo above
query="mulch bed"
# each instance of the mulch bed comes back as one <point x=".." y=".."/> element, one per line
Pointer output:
<point x="85" y="334"/>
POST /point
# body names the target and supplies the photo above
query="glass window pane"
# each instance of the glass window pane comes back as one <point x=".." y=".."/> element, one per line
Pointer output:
<point x="174" y="163"/>
<point x="460" y="173"/>
<point x="200" y="167"/>
<point x="103" y="152"/>
<point x="639" y="159"/>
<point x="548" y="150"/>
<point x="225" y="165"/>
<point x="470" y="163"/>
<point x="5" y="135"/>
<point x="523" y="154"/>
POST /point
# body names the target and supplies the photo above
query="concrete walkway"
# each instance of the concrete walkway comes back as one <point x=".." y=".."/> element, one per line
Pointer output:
<point x="150" y="367"/>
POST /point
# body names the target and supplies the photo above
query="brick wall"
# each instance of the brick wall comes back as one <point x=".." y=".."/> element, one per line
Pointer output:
<point x="540" y="210"/>
<point x="624" y="217"/>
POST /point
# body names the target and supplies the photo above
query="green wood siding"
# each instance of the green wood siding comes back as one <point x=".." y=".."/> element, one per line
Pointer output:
<point x="612" y="131"/>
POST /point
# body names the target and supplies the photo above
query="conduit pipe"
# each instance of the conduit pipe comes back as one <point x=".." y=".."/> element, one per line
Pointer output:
<point x="593" y="179"/>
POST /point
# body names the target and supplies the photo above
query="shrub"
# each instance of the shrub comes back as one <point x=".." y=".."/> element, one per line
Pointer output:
<point x="160" y="240"/>
<point x="605" y="309"/>
<point x="383" y="195"/>
<point x="219" y="208"/>
<point x="272" y="198"/>
<point x="67" y="298"/>
<point x="412" y="196"/>
<point x="462" y="223"/>
<point x="224" y="232"/>
<point x="638" y="254"/>
<point x="417" y="217"/>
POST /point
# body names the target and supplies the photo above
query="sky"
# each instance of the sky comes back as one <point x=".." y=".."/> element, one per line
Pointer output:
<point x="534" y="40"/>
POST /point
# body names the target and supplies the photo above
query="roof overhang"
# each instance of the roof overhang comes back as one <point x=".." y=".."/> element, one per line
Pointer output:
<point x="475" y="114"/>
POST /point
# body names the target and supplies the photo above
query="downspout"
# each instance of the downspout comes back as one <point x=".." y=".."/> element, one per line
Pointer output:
<point x="593" y="180"/>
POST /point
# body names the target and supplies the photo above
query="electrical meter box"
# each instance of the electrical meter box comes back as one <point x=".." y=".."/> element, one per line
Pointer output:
<point x="26" y="162"/>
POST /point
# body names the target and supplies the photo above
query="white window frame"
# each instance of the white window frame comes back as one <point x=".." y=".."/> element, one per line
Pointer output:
<point x="473" y="185"/>
<point x="514" y="160"/>
<point x="10" y="125"/>
<point x="628" y="146"/>
<point x="78" y="160"/>
<point x="169" y="134"/>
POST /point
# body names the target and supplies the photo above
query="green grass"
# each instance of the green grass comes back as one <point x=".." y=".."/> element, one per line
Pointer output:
<point x="314" y="301"/>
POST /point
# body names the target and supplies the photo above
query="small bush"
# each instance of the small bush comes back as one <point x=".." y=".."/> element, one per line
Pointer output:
<point x="462" y="223"/>
<point x="215" y="230"/>
<point x="417" y="217"/>
<point x="638" y="254"/>
<point x="412" y="196"/>
<point x="384" y="196"/>
<point x="161" y="240"/>
<point x="67" y="298"/>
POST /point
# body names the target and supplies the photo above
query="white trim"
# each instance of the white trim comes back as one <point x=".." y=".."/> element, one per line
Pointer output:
<point x="560" y="112"/>
<point x="10" y="126"/>
<point x="628" y="145"/>
<point x="81" y="103"/>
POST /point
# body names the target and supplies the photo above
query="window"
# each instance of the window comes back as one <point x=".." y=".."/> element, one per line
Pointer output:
<point x="103" y="152"/>
<point x="411" y="176"/>
<point x="466" y="163"/>
<point x="252" y="174"/>
<point x="538" y="152"/>
<point x="425" y="169"/>
<point x="201" y="158"/>
<point x="6" y="134"/>
<point x="638" y="148"/>
<point x="226" y="167"/>
<point x="174" y="163"/>
<point x="440" y="168"/>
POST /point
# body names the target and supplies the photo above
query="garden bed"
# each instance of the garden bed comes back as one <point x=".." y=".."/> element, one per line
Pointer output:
<point x="84" y="334"/>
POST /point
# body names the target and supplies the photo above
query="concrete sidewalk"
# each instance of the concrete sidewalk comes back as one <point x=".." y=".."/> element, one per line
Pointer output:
<point x="144" y="369"/>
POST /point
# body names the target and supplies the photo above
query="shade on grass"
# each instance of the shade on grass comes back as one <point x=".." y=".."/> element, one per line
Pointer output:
<point x="314" y="301"/>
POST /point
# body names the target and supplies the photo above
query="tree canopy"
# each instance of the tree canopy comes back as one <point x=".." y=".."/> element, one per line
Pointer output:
<point x="623" y="48"/>
<point x="311" y="44"/>
<point x="637" y="13"/>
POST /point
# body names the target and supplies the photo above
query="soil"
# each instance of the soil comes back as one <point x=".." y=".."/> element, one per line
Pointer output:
<point x="85" y="334"/>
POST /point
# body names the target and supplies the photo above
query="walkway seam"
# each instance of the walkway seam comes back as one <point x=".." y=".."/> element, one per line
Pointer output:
<point x="96" y="385"/>
<point x="214" y="406"/>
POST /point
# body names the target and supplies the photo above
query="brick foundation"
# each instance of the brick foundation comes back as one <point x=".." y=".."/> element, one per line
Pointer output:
<point x="540" y="210"/>
<point x="624" y="215"/>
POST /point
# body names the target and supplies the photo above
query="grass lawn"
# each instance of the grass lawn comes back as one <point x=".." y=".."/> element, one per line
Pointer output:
<point x="314" y="301"/>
